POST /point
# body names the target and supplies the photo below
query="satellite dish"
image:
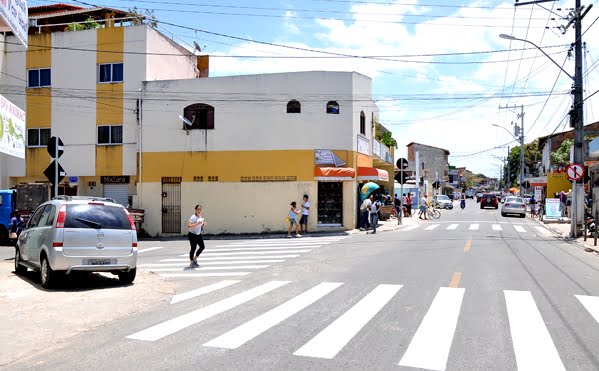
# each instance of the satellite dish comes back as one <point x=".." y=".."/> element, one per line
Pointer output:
<point x="198" y="48"/>
<point x="185" y="121"/>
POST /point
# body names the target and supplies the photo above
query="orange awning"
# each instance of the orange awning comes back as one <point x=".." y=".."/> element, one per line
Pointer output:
<point x="334" y="173"/>
<point x="373" y="174"/>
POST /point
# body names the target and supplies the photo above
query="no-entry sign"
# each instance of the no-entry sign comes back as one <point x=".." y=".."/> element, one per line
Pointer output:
<point x="575" y="172"/>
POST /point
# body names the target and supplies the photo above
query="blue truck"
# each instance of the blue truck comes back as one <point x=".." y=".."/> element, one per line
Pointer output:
<point x="24" y="199"/>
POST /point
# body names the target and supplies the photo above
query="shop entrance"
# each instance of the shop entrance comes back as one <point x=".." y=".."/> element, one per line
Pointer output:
<point x="171" y="205"/>
<point x="330" y="203"/>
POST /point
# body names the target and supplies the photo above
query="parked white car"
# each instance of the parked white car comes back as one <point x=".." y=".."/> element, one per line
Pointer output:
<point x="514" y="205"/>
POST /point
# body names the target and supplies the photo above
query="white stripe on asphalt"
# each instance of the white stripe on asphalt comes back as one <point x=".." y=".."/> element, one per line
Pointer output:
<point x="235" y="267"/>
<point x="519" y="229"/>
<point x="258" y="325"/>
<point x="473" y="227"/>
<point x="497" y="227"/>
<point x="332" y="339"/>
<point x="431" y="227"/>
<point x="203" y="258"/>
<point x="199" y="275"/>
<point x="252" y="245"/>
<point x="410" y="228"/>
<point x="591" y="303"/>
<point x="285" y="240"/>
<point x="150" y="249"/>
<point x="453" y="226"/>
<point x="216" y="253"/>
<point x="202" y="291"/>
<point x="264" y="248"/>
<point x="544" y="231"/>
<point x="230" y="262"/>
<point x="533" y="345"/>
<point x="430" y="345"/>
<point x="179" y="323"/>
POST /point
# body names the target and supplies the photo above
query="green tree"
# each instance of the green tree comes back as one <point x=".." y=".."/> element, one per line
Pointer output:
<point x="384" y="136"/>
<point x="532" y="156"/>
<point x="561" y="156"/>
<point x="90" y="24"/>
<point x="145" y="17"/>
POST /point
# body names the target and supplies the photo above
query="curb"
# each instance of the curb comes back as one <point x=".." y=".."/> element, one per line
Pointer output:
<point x="579" y="240"/>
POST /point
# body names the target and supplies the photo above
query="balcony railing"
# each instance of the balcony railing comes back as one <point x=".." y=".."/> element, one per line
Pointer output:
<point x="382" y="151"/>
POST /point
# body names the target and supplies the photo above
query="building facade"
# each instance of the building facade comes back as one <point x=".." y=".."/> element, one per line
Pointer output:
<point x="82" y="84"/>
<point x="433" y="163"/>
<point x="253" y="144"/>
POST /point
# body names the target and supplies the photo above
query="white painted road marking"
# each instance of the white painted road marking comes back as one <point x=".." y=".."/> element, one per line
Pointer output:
<point x="591" y="303"/>
<point x="239" y="267"/>
<point x="200" y="275"/>
<point x="179" y="323"/>
<point x="544" y="231"/>
<point x="150" y="249"/>
<point x="278" y="244"/>
<point x="216" y="253"/>
<point x="410" y="228"/>
<point x="332" y="339"/>
<point x="202" y="291"/>
<point x="452" y="227"/>
<point x="259" y="248"/>
<point x="203" y="258"/>
<point x="249" y="330"/>
<point x="230" y="262"/>
<point x="431" y="227"/>
<point x="497" y="227"/>
<point x="519" y="229"/>
<point x="473" y="227"/>
<point x="533" y="345"/>
<point x="429" y="348"/>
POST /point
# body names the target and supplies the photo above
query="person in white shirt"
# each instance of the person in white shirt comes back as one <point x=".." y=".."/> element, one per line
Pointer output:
<point x="195" y="224"/>
<point x="305" y="212"/>
<point x="423" y="207"/>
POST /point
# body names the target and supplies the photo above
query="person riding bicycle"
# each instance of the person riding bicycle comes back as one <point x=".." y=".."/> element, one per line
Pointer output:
<point x="423" y="207"/>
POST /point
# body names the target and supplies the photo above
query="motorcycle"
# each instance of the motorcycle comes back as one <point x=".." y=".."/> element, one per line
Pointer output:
<point x="590" y="222"/>
<point x="463" y="204"/>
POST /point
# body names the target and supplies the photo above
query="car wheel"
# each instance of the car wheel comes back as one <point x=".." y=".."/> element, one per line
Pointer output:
<point x="482" y="207"/>
<point x="127" y="278"/>
<point x="48" y="276"/>
<point x="496" y="207"/>
<point x="19" y="269"/>
<point x="523" y="216"/>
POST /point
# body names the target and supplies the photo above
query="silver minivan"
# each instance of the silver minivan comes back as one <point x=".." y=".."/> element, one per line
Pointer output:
<point x="72" y="233"/>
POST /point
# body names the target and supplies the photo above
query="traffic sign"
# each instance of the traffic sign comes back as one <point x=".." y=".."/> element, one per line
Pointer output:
<point x="575" y="172"/>
<point x="436" y="184"/>
<point x="51" y="174"/>
<point x="525" y="184"/>
<point x="402" y="164"/>
<point x="401" y="177"/>
<point x="52" y="144"/>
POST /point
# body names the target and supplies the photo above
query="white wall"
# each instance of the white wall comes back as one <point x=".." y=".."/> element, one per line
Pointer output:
<point x="167" y="67"/>
<point x="251" y="112"/>
<point x="74" y="76"/>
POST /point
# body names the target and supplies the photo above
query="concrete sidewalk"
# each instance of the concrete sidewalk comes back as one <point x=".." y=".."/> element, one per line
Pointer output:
<point x="561" y="228"/>
<point x="389" y="225"/>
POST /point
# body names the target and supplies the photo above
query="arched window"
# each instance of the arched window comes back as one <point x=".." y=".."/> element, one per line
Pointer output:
<point x="333" y="107"/>
<point x="294" y="106"/>
<point x="362" y="123"/>
<point x="200" y="115"/>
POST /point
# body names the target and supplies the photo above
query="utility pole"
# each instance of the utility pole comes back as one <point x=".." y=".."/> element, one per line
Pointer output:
<point x="508" y="183"/>
<point x="519" y="130"/>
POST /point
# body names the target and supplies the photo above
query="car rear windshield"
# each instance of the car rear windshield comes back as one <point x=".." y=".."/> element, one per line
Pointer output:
<point x="515" y="200"/>
<point x="96" y="216"/>
<point x="490" y="195"/>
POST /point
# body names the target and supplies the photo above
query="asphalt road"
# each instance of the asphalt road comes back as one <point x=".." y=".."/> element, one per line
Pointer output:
<point x="470" y="291"/>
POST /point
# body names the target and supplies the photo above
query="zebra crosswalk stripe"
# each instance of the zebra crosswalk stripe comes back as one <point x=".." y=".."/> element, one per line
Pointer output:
<point x="496" y="227"/>
<point x="202" y="291"/>
<point x="452" y="227"/>
<point x="218" y="268"/>
<point x="533" y="345"/>
<point x="429" y="348"/>
<point x="431" y="227"/>
<point x="519" y="229"/>
<point x="332" y="339"/>
<point x="249" y="330"/>
<point x="591" y="303"/>
<point x="473" y="227"/>
<point x="179" y="323"/>
<point x="261" y="248"/>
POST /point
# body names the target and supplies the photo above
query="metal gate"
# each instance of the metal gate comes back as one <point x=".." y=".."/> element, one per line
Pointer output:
<point x="171" y="205"/>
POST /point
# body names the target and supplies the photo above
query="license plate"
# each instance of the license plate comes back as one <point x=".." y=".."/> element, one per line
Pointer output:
<point x="99" y="262"/>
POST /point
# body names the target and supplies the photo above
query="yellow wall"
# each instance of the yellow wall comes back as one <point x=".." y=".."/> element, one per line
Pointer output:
<point x="38" y="102"/>
<point x="363" y="160"/>
<point x="557" y="182"/>
<point x="109" y="100"/>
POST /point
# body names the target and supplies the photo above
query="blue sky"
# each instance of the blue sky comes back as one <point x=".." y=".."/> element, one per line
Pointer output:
<point x="439" y="69"/>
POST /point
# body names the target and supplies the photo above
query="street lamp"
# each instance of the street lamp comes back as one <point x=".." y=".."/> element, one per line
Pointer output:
<point x="521" y="140"/>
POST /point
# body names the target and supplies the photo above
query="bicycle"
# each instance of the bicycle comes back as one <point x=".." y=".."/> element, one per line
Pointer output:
<point x="431" y="212"/>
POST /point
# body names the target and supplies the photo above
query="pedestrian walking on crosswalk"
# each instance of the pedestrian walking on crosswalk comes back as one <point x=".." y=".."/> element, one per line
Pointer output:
<point x="195" y="224"/>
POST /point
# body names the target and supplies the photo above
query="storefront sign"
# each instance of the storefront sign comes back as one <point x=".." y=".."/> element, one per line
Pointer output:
<point x="363" y="145"/>
<point x="552" y="210"/>
<point x="12" y="128"/>
<point x="538" y="193"/>
<point x="324" y="157"/>
<point x="14" y="17"/>
<point x="115" y="179"/>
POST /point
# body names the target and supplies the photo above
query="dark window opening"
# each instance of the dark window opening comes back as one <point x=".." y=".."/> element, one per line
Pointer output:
<point x="362" y="123"/>
<point x="110" y="72"/>
<point x="38" y="137"/>
<point x="294" y="106"/>
<point x="39" y="78"/>
<point x="110" y="134"/>
<point x="200" y="115"/>
<point x="330" y="203"/>
<point x="333" y="107"/>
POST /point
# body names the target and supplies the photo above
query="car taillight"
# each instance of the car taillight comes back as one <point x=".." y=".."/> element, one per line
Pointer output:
<point x="62" y="215"/>
<point x="523" y="206"/>
<point x="130" y="220"/>
<point x="134" y="244"/>
<point x="507" y="205"/>
<point x="57" y="244"/>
